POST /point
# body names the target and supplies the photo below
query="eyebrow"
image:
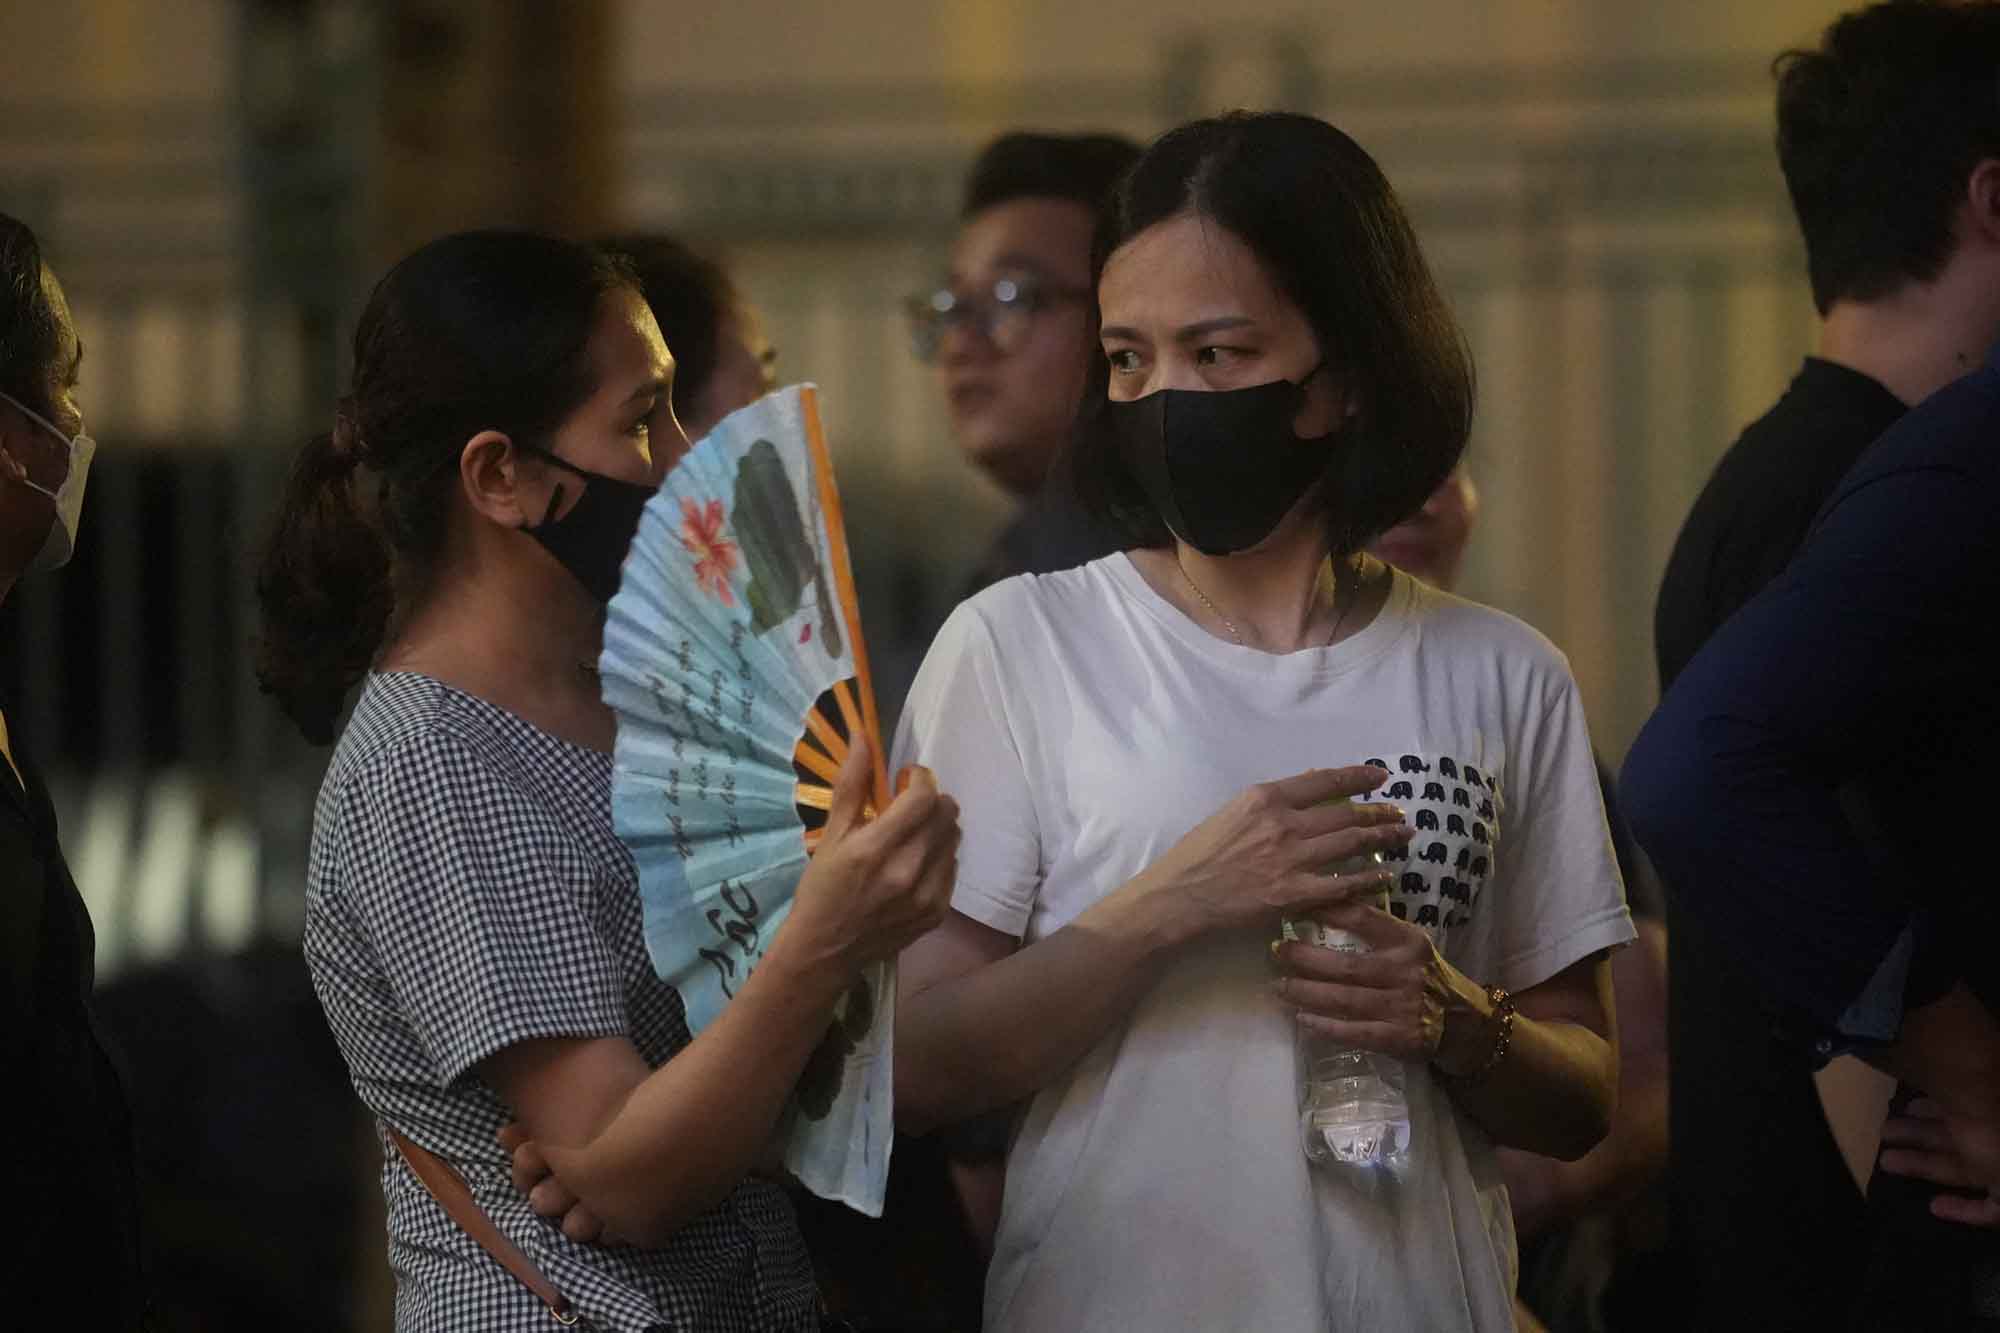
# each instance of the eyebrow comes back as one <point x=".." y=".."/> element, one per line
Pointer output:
<point x="1186" y="333"/>
<point x="1013" y="259"/>
<point x="1220" y="324"/>
<point x="652" y="388"/>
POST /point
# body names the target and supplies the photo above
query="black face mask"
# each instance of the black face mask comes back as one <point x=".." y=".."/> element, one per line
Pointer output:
<point x="591" y="540"/>
<point x="1223" y="468"/>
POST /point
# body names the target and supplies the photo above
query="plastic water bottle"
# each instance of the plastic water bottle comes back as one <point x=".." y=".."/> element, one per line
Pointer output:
<point x="1352" y="1109"/>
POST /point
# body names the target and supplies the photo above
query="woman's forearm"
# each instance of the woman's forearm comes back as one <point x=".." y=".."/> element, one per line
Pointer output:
<point x="655" y="1149"/>
<point x="955" y="1058"/>
<point x="1545" y="1191"/>
<point x="1554" y="1091"/>
<point x="1634" y="1153"/>
<point x="684" y="1137"/>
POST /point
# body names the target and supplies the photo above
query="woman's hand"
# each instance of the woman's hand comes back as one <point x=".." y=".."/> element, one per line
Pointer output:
<point x="545" y="1194"/>
<point x="874" y="887"/>
<point x="1556" y="1088"/>
<point x="1925" y="1144"/>
<point x="1950" y="1048"/>
<point x="1266" y="854"/>
<point x="1400" y="998"/>
<point x="1393" y="999"/>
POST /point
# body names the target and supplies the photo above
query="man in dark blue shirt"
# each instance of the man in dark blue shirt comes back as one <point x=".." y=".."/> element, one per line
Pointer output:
<point x="1856" y="691"/>
<point x="1887" y="132"/>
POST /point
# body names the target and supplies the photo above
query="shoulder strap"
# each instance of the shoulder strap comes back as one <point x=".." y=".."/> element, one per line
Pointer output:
<point x="452" y="1195"/>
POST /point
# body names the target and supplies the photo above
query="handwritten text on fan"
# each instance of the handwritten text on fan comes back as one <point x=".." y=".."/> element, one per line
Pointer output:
<point x="707" y="722"/>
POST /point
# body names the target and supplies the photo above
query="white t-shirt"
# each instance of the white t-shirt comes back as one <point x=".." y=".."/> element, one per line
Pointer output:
<point x="1085" y="725"/>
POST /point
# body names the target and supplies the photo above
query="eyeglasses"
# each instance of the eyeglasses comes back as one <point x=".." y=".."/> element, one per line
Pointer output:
<point x="1002" y="314"/>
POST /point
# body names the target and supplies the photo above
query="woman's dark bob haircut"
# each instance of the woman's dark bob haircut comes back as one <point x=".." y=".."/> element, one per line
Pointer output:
<point x="1321" y="218"/>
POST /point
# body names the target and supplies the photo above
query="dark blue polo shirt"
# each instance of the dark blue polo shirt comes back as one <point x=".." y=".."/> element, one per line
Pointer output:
<point x="1862" y="671"/>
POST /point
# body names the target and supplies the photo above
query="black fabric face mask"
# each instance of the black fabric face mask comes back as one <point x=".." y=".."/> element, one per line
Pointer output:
<point x="591" y="540"/>
<point x="1222" y="468"/>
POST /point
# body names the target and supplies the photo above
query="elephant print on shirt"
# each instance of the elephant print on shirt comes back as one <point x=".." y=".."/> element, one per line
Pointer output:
<point x="1446" y="869"/>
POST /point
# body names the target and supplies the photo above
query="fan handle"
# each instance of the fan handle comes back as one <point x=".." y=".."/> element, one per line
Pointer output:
<point x="843" y="584"/>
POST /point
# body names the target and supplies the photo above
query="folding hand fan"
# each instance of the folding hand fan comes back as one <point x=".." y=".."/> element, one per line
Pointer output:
<point x="733" y="659"/>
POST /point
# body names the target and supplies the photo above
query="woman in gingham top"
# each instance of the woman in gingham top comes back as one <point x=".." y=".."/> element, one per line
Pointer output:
<point x="472" y="923"/>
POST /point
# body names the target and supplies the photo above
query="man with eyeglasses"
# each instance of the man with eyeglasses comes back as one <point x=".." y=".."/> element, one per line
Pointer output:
<point x="1012" y="331"/>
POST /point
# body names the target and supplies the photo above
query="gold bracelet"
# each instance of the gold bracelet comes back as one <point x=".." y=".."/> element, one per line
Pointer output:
<point x="1503" y="1036"/>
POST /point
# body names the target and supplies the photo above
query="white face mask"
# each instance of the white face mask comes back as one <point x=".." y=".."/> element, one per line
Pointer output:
<point x="61" y="541"/>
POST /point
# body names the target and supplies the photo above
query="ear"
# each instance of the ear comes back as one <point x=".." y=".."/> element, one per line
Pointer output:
<point x="17" y="440"/>
<point x="496" y="484"/>
<point x="1982" y="199"/>
<point x="10" y="467"/>
<point x="1468" y="493"/>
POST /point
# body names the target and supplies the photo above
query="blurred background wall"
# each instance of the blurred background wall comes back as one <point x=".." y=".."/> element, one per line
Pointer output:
<point x="217" y="181"/>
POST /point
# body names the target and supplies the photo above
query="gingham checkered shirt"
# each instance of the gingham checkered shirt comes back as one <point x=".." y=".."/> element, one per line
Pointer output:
<point x="465" y="892"/>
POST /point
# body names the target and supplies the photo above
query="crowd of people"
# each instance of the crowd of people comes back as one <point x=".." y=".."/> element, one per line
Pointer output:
<point x="1211" y="678"/>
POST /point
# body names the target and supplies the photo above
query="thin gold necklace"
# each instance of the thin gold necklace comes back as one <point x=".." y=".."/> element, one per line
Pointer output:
<point x="1340" y="608"/>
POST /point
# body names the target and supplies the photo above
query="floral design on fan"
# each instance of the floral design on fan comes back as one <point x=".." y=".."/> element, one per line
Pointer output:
<point x="714" y="554"/>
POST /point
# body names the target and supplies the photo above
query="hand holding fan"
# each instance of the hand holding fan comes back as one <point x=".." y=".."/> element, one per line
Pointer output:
<point x="734" y="662"/>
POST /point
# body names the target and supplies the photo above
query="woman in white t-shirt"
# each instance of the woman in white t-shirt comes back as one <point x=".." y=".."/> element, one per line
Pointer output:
<point x="1144" y="749"/>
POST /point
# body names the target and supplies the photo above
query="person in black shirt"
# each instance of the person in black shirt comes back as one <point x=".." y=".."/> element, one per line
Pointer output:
<point x="81" y="1189"/>
<point x="1888" y="135"/>
<point x="1760" y="501"/>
